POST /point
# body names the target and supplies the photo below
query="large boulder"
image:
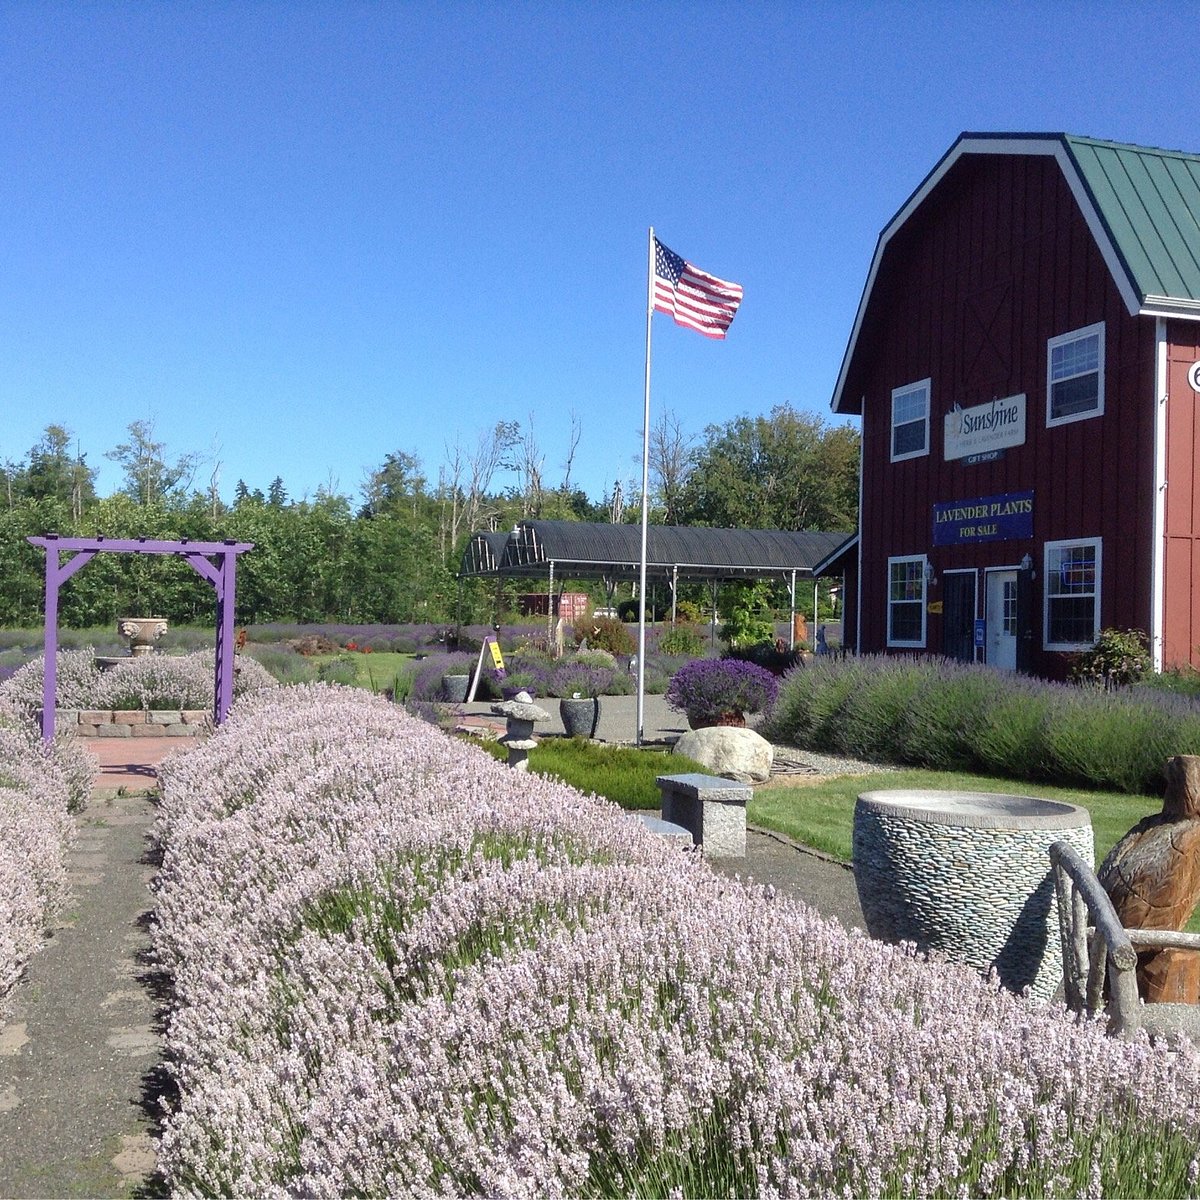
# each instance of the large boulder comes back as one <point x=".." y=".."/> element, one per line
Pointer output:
<point x="730" y="752"/>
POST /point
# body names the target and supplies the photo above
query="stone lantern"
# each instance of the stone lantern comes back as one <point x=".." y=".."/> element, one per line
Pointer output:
<point x="521" y="714"/>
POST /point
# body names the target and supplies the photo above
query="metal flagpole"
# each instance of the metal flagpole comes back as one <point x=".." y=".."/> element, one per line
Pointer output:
<point x="641" y="653"/>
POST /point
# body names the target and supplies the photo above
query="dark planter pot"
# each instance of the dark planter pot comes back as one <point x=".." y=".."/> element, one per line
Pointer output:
<point x="580" y="717"/>
<point x="511" y="693"/>
<point x="735" y="718"/>
<point x="454" y="688"/>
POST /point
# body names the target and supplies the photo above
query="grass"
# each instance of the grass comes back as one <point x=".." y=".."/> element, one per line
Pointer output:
<point x="821" y="814"/>
<point x="623" y="774"/>
<point x="371" y="671"/>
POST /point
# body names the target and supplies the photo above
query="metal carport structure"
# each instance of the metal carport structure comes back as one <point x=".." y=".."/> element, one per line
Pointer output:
<point x="565" y="550"/>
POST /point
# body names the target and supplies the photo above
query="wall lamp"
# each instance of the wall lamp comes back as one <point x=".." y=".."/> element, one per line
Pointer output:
<point x="930" y="577"/>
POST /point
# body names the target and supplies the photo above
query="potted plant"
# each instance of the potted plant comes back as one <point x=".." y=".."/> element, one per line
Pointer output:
<point x="721" y="691"/>
<point x="517" y="681"/>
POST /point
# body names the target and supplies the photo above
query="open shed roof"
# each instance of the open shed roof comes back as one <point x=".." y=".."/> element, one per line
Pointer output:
<point x="579" y="550"/>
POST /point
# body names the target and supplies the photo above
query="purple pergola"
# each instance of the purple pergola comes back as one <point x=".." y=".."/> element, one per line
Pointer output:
<point x="214" y="561"/>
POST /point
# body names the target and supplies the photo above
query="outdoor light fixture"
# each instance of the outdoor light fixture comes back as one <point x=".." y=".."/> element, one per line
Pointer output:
<point x="930" y="577"/>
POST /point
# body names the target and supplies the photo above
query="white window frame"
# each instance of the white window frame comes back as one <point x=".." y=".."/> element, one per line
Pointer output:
<point x="923" y="563"/>
<point x="909" y="389"/>
<point x="1064" y="339"/>
<point x="1048" y="549"/>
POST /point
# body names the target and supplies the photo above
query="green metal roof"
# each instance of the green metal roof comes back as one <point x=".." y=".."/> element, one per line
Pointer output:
<point x="1149" y="202"/>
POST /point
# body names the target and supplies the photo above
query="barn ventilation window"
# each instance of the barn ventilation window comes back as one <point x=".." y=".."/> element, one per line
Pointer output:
<point x="910" y="421"/>
<point x="906" y="601"/>
<point x="1075" y="375"/>
<point x="1072" y="594"/>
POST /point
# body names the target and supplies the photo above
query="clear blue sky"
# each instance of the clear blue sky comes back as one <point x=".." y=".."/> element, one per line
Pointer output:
<point x="299" y="236"/>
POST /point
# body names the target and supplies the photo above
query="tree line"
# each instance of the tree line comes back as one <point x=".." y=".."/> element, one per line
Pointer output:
<point x="391" y="554"/>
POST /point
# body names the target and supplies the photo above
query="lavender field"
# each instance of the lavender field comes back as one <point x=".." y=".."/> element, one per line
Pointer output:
<point x="401" y="968"/>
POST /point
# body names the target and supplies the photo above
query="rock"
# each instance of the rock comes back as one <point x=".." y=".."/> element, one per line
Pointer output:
<point x="733" y="753"/>
<point x="1152" y="876"/>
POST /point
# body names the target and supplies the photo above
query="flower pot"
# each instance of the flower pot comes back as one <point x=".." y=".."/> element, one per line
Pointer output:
<point x="580" y="716"/>
<point x="454" y="688"/>
<point x="511" y="693"/>
<point x="142" y="633"/>
<point x="735" y="717"/>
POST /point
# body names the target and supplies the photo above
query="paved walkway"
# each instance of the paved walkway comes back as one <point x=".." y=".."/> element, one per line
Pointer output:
<point x="80" y="1050"/>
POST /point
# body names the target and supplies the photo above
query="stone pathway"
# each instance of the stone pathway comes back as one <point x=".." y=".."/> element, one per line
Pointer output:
<point x="79" y="1047"/>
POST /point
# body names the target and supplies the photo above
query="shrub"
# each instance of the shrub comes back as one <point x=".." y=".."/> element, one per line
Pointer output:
<point x="338" y="670"/>
<point x="709" y="688"/>
<point x="682" y="639"/>
<point x="604" y="633"/>
<point x="772" y="656"/>
<point x="1119" y="657"/>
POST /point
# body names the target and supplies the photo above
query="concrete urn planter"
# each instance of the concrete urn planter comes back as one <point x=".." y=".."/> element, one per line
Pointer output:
<point x="580" y="715"/>
<point x="142" y="633"/>
<point x="968" y="874"/>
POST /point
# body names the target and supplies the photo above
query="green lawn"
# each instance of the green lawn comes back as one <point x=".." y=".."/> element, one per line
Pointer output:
<point x="372" y="671"/>
<point x="821" y="814"/>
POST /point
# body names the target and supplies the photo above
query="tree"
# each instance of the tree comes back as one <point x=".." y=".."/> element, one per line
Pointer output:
<point x="672" y="456"/>
<point x="276" y="493"/>
<point x="149" y="476"/>
<point x="787" y="471"/>
<point x="54" y="473"/>
<point x="397" y="482"/>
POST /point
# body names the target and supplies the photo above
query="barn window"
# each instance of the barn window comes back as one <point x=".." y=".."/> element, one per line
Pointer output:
<point x="906" y="601"/>
<point x="1072" y="594"/>
<point x="910" y="421"/>
<point x="1075" y="375"/>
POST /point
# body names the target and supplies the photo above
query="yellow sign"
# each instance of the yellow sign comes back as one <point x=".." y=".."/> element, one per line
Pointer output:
<point x="497" y="657"/>
<point x="934" y="606"/>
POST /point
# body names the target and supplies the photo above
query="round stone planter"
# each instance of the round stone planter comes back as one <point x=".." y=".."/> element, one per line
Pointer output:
<point x="968" y="874"/>
<point x="454" y="688"/>
<point x="580" y="716"/>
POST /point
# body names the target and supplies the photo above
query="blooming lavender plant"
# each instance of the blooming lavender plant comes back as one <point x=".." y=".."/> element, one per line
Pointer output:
<point x="400" y="968"/>
<point x="708" y="688"/>
<point x="40" y="786"/>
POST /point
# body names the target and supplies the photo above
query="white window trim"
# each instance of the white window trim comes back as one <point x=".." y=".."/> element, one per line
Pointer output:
<point x="1097" y="544"/>
<point x="927" y="386"/>
<point x="907" y="558"/>
<point x="1075" y="335"/>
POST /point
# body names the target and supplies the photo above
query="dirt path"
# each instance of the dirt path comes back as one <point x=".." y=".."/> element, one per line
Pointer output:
<point x="79" y="1049"/>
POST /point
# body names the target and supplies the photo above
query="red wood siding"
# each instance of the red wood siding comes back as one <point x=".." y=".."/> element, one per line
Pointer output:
<point x="996" y="262"/>
<point x="1181" y="564"/>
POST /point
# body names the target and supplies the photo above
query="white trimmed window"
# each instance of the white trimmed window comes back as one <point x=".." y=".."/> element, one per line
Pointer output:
<point x="910" y="421"/>
<point x="906" y="601"/>
<point x="1072" y="594"/>
<point x="1075" y="376"/>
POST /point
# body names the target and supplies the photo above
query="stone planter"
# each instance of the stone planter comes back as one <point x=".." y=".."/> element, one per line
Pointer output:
<point x="142" y="632"/>
<point x="511" y="693"/>
<point x="580" y="716"/>
<point x="455" y="688"/>
<point x="968" y="874"/>
<point x="735" y="719"/>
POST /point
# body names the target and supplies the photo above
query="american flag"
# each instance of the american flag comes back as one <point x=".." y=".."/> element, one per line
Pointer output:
<point x="693" y="297"/>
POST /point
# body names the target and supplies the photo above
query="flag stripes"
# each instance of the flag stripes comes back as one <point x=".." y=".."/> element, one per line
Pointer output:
<point x="693" y="297"/>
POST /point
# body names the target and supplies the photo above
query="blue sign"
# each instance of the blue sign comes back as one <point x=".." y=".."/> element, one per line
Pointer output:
<point x="980" y="633"/>
<point x="984" y="519"/>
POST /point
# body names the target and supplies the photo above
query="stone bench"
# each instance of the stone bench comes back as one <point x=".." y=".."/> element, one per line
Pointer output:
<point x="711" y="809"/>
<point x="666" y="829"/>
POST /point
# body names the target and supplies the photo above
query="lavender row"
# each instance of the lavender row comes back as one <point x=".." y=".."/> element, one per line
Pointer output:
<point x="401" y="968"/>
<point x="158" y="681"/>
<point x="40" y="787"/>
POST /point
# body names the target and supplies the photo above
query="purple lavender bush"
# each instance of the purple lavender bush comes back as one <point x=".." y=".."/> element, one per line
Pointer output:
<point x="40" y="787"/>
<point x="707" y="689"/>
<point x="431" y="976"/>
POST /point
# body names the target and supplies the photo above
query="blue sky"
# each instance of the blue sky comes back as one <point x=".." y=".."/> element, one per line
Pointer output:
<point x="299" y="236"/>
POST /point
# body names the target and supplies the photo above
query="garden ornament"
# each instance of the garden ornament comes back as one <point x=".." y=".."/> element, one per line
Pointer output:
<point x="1152" y="876"/>
<point x="520" y="713"/>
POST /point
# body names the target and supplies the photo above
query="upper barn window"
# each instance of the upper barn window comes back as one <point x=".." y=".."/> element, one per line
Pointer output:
<point x="1075" y="375"/>
<point x="910" y="420"/>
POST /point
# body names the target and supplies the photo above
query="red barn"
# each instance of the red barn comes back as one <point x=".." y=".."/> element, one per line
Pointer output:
<point x="1026" y="362"/>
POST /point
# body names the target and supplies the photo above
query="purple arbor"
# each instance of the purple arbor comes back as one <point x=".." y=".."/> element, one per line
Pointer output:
<point x="221" y="573"/>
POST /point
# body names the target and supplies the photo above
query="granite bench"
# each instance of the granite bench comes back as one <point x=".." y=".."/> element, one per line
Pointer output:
<point x="711" y="809"/>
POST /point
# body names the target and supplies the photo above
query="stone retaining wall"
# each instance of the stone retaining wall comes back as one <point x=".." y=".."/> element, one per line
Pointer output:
<point x="102" y="722"/>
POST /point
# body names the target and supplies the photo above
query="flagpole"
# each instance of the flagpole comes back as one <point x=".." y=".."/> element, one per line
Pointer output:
<point x="641" y="654"/>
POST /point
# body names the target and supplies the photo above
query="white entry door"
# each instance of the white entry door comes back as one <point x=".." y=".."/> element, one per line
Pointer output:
<point x="1002" y="619"/>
